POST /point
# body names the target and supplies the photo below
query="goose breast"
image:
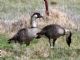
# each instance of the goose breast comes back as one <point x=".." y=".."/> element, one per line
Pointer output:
<point x="33" y="32"/>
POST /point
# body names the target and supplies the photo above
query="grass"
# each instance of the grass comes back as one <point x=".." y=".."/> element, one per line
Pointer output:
<point x="40" y="49"/>
<point x="10" y="10"/>
<point x="71" y="7"/>
<point x="14" y="9"/>
<point x="3" y="42"/>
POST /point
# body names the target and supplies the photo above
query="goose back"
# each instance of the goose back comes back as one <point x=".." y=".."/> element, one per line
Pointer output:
<point x="53" y="31"/>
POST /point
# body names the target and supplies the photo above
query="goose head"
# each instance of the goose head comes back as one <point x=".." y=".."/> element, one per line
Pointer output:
<point x="35" y="17"/>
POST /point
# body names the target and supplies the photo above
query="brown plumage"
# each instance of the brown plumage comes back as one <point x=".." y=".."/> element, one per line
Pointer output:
<point x="26" y="35"/>
<point x="54" y="31"/>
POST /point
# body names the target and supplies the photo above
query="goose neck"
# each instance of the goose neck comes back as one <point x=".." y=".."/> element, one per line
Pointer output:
<point x="33" y="22"/>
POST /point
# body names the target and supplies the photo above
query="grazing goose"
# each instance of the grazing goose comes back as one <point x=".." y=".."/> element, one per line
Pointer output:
<point x="26" y="35"/>
<point x="54" y="31"/>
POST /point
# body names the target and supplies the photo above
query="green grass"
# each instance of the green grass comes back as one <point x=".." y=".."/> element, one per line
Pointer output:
<point x="7" y="58"/>
<point x="3" y="42"/>
<point x="40" y="49"/>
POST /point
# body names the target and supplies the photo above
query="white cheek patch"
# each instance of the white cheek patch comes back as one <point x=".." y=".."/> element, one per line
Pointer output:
<point x="35" y="15"/>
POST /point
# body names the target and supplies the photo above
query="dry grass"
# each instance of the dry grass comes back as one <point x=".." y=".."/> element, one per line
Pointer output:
<point x="56" y="17"/>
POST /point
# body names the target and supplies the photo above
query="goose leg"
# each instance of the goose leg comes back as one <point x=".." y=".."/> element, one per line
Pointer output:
<point x="54" y="42"/>
<point x="50" y="42"/>
<point x="20" y="41"/>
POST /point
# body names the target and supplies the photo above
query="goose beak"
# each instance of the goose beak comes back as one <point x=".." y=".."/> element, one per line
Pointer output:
<point x="42" y="17"/>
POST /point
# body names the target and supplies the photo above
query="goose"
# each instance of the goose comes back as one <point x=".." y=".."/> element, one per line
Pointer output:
<point x="26" y="35"/>
<point x="54" y="31"/>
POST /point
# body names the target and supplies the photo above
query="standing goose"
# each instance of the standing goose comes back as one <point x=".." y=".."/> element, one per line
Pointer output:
<point x="26" y="35"/>
<point x="54" y="31"/>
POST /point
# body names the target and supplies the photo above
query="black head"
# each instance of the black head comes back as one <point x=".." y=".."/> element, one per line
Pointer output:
<point x="37" y="15"/>
<point x="68" y="38"/>
<point x="38" y="35"/>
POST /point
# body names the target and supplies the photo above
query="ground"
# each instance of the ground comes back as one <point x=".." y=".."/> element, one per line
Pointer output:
<point x="39" y="49"/>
